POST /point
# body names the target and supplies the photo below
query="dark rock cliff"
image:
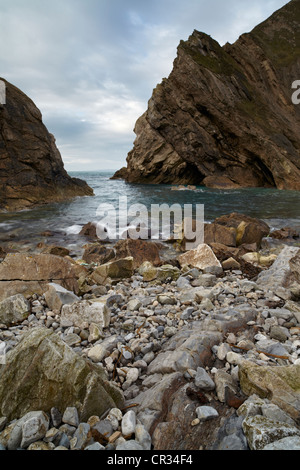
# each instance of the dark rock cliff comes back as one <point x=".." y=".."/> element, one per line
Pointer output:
<point x="224" y="118"/>
<point x="31" y="167"/>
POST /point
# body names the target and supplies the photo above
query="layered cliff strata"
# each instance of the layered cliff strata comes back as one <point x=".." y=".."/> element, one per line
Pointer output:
<point x="224" y="117"/>
<point x="31" y="167"/>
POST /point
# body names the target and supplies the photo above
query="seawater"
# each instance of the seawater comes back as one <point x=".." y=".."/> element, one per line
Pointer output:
<point x="278" y="208"/>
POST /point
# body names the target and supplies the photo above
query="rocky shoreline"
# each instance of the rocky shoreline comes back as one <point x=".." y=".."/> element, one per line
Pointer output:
<point x="125" y="350"/>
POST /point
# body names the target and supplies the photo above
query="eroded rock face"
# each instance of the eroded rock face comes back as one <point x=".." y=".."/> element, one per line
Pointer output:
<point x="31" y="167"/>
<point x="224" y="117"/>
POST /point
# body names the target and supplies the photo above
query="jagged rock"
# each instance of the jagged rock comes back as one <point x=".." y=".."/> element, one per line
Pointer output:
<point x="42" y="372"/>
<point x="32" y="170"/>
<point x="206" y="122"/>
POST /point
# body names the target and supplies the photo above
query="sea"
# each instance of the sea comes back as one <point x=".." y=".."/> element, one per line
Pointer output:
<point x="65" y="220"/>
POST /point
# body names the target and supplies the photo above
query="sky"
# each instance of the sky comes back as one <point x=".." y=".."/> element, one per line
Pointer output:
<point x="90" y="66"/>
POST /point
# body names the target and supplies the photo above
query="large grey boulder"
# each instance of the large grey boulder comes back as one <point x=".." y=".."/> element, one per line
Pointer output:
<point x="42" y="372"/>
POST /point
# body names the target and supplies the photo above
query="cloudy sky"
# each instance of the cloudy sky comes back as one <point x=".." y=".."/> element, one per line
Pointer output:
<point x="91" y="65"/>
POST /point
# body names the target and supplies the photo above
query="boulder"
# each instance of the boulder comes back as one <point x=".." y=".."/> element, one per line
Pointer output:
<point x="97" y="253"/>
<point x="248" y="229"/>
<point x="89" y="230"/>
<point x="201" y="258"/>
<point x="261" y="431"/>
<point x="148" y="271"/>
<point x="56" y="296"/>
<point x="14" y="310"/>
<point x="139" y="250"/>
<point x="17" y="269"/>
<point x="42" y="372"/>
<point x="87" y="312"/>
<point x="281" y="385"/>
<point x="217" y="233"/>
<point x="114" y="270"/>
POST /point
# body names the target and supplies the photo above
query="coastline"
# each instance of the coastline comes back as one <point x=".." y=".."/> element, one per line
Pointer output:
<point x="158" y="329"/>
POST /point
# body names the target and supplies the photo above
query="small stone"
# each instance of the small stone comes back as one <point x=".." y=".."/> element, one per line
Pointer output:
<point x="129" y="445"/>
<point x="279" y="333"/>
<point x="203" y="380"/>
<point x="170" y="331"/>
<point x="34" y="428"/>
<point x="95" y="446"/>
<point x="41" y="446"/>
<point x="166" y="300"/>
<point x="80" y="437"/>
<point x="114" y="437"/>
<point x="95" y="333"/>
<point x="134" y="305"/>
<point x="195" y="422"/>
<point x="234" y="358"/>
<point x="205" y="413"/>
<point x="104" y="427"/>
<point x="143" y="437"/>
<point x="70" y="416"/>
<point x="128" y="423"/>
<point x="223" y="349"/>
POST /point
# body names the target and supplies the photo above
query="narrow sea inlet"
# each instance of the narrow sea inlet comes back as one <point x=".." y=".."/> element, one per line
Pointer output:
<point x="65" y="220"/>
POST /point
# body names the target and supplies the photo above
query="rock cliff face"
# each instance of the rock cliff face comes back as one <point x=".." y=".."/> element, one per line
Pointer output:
<point x="31" y="168"/>
<point x="224" y="118"/>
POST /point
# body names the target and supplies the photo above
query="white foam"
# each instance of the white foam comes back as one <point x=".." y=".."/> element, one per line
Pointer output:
<point x="73" y="229"/>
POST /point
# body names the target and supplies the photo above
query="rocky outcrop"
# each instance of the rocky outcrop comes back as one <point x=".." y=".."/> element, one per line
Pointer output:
<point x="224" y="118"/>
<point x="31" y="167"/>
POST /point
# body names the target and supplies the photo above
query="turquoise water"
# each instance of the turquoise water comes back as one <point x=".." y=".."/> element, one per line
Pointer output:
<point x="277" y="208"/>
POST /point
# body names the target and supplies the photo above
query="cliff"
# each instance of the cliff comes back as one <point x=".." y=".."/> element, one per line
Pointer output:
<point x="31" y="167"/>
<point x="224" y="118"/>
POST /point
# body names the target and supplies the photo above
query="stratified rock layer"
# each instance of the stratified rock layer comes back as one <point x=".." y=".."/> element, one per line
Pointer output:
<point x="31" y="167"/>
<point x="224" y="118"/>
